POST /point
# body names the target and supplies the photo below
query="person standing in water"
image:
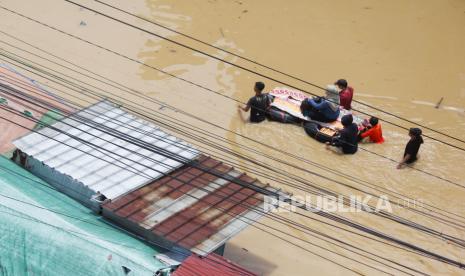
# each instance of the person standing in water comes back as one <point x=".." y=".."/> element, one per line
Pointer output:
<point x="412" y="147"/>
<point x="257" y="104"/>
<point x="346" y="94"/>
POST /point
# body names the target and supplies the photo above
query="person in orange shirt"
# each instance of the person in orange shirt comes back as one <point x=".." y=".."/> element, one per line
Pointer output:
<point x="373" y="131"/>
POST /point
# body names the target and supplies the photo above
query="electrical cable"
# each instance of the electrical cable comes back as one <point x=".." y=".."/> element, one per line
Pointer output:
<point x="270" y="68"/>
<point x="119" y="54"/>
<point x="334" y="253"/>
<point x="257" y="73"/>
<point x="417" y="226"/>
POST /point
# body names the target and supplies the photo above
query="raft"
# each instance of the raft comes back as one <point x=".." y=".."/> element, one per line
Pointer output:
<point x="319" y="133"/>
<point x="285" y="107"/>
<point x="275" y="114"/>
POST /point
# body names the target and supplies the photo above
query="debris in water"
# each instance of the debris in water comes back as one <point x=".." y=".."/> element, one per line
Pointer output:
<point x="83" y="23"/>
<point x="439" y="103"/>
<point x="221" y="31"/>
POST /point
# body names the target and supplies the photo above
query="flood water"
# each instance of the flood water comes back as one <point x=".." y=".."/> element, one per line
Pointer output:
<point x="400" y="56"/>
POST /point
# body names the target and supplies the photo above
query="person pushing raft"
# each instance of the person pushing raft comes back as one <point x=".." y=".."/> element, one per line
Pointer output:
<point x="372" y="132"/>
<point x="347" y="139"/>
<point x="258" y="104"/>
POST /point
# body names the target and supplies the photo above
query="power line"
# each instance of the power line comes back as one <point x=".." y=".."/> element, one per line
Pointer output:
<point x="256" y="63"/>
<point x="262" y="75"/>
<point x="398" y="220"/>
<point x="352" y="224"/>
<point x="205" y="88"/>
<point x="351" y="187"/>
<point x="306" y="250"/>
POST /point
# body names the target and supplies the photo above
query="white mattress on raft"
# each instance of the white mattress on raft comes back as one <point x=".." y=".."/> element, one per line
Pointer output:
<point x="290" y="100"/>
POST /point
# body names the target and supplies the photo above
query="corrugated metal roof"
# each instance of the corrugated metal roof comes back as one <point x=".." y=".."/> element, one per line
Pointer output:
<point x="212" y="265"/>
<point x="192" y="208"/>
<point x="114" y="168"/>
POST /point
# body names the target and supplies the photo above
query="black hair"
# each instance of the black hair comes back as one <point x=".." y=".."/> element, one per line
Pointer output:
<point x="373" y="121"/>
<point x="416" y="133"/>
<point x="347" y="120"/>
<point x="341" y="83"/>
<point x="260" y="86"/>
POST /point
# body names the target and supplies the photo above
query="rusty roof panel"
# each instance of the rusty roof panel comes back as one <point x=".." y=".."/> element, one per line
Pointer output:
<point x="211" y="265"/>
<point x="193" y="208"/>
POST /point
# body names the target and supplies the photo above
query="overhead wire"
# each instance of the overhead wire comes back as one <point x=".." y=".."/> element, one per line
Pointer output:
<point x="307" y="161"/>
<point x="205" y="88"/>
<point x="266" y="66"/>
<point x="314" y="245"/>
<point x="255" y="72"/>
<point x="403" y="222"/>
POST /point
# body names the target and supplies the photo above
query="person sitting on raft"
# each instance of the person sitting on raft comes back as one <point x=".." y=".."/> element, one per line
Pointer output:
<point x="323" y="109"/>
<point x="257" y="104"/>
<point x="372" y="131"/>
<point x="347" y="139"/>
<point x="412" y="147"/>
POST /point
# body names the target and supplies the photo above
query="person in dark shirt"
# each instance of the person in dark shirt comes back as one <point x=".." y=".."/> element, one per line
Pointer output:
<point x="258" y="104"/>
<point x="412" y="147"/>
<point x="346" y="94"/>
<point x="347" y="139"/>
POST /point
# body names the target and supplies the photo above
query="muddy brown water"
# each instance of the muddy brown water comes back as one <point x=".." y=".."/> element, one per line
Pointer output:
<point x="401" y="56"/>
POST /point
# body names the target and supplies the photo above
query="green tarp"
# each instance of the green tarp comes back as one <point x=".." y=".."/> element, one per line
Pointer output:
<point x="44" y="232"/>
<point x="48" y="118"/>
